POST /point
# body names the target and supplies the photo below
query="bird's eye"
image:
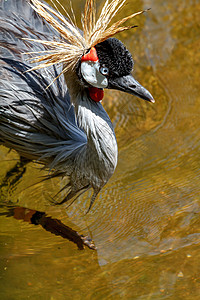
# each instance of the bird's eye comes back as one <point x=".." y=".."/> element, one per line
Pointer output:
<point x="104" y="71"/>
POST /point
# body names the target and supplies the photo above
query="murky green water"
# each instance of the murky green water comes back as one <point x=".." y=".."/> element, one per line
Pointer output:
<point x="146" y="220"/>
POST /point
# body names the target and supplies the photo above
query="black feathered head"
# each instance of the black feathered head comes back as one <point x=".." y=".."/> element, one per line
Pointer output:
<point x="109" y="65"/>
<point x="114" y="55"/>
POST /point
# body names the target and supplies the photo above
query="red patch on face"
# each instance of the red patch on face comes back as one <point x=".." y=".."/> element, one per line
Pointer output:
<point x="92" y="55"/>
<point x="96" y="94"/>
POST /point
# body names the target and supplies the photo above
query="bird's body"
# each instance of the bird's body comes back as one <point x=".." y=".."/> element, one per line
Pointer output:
<point x="59" y="126"/>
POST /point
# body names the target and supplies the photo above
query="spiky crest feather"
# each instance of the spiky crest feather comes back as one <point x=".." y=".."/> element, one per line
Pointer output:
<point x="73" y="45"/>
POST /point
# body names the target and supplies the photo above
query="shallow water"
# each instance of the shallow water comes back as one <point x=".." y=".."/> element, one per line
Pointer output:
<point x="146" y="220"/>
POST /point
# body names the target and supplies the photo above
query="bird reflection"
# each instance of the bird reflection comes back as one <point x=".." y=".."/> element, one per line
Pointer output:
<point x="49" y="224"/>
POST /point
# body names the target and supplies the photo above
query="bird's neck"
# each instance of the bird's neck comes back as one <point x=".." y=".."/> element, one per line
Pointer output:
<point x="101" y="150"/>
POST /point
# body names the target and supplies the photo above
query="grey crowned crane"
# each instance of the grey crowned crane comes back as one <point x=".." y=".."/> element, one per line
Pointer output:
<point x="59" y="120"/>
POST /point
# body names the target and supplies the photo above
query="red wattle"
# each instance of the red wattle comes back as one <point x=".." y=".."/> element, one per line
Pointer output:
<point x="96" y="94"/>
<point x="92" y="55"/>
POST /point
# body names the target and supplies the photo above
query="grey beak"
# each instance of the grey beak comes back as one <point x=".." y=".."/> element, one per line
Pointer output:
<point x="131" y="86"/>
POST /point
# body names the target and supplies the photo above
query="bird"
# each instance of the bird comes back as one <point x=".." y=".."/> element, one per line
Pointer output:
<point x="52" y="80"/>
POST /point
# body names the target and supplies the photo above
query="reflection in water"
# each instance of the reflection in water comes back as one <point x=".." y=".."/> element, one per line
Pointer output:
<point x="146" y="221"/>
<point x="53" y="225"/>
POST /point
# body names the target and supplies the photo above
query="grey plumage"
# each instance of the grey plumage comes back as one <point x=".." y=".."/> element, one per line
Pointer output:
<point x="40" y="123"/>
<point x="59" y="126"/>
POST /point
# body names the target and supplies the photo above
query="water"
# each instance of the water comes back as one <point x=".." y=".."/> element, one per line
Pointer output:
<point x="146" y="220"/>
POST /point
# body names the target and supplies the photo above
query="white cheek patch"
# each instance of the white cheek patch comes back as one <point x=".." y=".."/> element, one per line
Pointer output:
<point x="91" y="74"/>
